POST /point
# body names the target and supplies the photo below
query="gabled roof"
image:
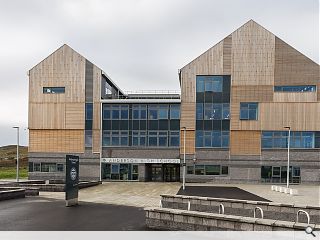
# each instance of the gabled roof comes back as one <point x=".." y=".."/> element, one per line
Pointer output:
<point x="252" y="23"/>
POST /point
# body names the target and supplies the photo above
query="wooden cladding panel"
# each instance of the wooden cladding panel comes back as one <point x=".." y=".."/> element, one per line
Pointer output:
<point x="188" y="115"/>
<point x="75" y="114"/>
<point x="63" y="68"/>
<point x="295" y="97"/>
<point x="253" y="50"/>
<point x="254" y="93"/>
<point x="47" y="116"/>
<point x="300" y="116"/>
<point x="245" y="143"/>
<point x="190" y="141"/>
<point x="227" y="47"/>
<point x="292" y="67"/>
<point x="96" y="147"/>
<point x="60" y="141"/>
<point x="318" y="91"/>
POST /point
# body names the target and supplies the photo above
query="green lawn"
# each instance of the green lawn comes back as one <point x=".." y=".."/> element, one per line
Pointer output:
<point x="10" y="172"/>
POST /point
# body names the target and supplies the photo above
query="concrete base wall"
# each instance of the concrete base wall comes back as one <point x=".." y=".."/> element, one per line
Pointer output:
<point x="173" y="219"/>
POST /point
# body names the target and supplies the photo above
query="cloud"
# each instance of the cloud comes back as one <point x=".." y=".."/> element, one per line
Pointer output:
<point x="139" y="43"/>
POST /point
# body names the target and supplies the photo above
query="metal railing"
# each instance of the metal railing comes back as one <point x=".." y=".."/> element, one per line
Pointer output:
<point x="153" y="92"/>
<point x="302" y="211"/>
<point x="254" y="212"/>
<point x="221" y="209"/>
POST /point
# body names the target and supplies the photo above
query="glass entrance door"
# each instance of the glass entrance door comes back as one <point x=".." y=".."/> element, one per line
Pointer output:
<point x="171" y="173"/>
<point x="156" y="173"/>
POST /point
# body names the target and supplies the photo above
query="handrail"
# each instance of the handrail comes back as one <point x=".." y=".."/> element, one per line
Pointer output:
<point x="254" y="212"/>
<point x="302" y="211"/>
<point x="221" y="209"/>
<point x="189" y="205"/>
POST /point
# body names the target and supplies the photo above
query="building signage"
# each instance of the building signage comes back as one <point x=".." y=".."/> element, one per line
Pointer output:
<point x="72" y="180"/>
<point x="139" y="160"/>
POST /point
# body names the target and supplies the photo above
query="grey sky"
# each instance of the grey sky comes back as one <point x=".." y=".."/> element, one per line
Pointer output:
<point x="140" y="44"/>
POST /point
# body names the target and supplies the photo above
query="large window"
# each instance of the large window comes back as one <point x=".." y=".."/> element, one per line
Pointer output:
<point x="218" y="139"/>
<point x="46" y="167"/>
<point x="213" y="111"/>
<point x="278" y="174"/>
<point x="139" y="111"/>
<point x="117" y="171"/>
<point x="248" y="111"/>
<point x="139" y="138"/>
<point x="115" y="112"/>
<point x="208" y="170"/>
<point x="115" y="138"/>
<point x="209" y="83"/>
<point x="279" y="139"/>
<point x="302" y="88"/>
<point x="53" y="90"/>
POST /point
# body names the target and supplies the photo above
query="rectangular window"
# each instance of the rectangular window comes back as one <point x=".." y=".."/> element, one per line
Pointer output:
<point x="174" y="139"/>
<point x="212" y="169"/>
<point x="115" y="138"/>
<point x="48" y="167"/>
<point x="199" y="170"/>
<point x="53" y="90"/>
<point x="174" y="112"/>
<point x="124" y="112"/>
<point x="224" y="170"/>
<point x="190" y="170"/>
<point x="163" y="139"/>
<point x="199" y="111"/>
<point x="106" y="112"/>
<point x="209" y="83"/>
<point x="301" y="88"/>
<point x="248" y="111"/>
<point x="153" y="112"/>
<point x="153" y="139"/>
<point x="279" y="139"/>
<point x="88" y="138"/>
<point x="89" y="111"/>
<point x="216" y="139"/>
<point x="59" y="167"/>
<point x="30" y="167"/>
<point x="163" y="112"/>
<point x="36" y="167"/>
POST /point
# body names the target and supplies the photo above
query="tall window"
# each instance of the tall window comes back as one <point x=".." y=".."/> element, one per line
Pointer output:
<point x="89" y="111"/>
<point x="88" y="138"/>
<point x="213" y="111"/>
<point x="248" y="111"/>
<point x="174" y="111"/>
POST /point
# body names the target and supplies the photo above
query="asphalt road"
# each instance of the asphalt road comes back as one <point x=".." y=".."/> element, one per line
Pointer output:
<point x="43" y="214"/>
<point x="220" y="192"/>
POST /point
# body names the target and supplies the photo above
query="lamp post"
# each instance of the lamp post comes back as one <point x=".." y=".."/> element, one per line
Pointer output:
<point x="288" y="167"/>
<point x="184" y="159"/>
<point x="17" y="153"/>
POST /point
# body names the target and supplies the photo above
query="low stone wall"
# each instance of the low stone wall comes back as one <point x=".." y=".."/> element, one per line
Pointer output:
<point x="11" y="193"/>
<point x="42" y="187"/>
<point x="271" y="210"/>
<point x="176" y="219"/>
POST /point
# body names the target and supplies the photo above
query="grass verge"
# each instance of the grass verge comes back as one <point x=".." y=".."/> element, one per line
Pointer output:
<point x="10" y="172"/>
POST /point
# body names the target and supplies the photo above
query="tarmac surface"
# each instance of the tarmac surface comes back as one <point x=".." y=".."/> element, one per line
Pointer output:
<point x="220" y="192"/>
<point x="43" y="214"/>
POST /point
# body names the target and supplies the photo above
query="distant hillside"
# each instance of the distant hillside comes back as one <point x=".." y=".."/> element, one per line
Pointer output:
<point x="9" y="152"/>
<point x="8" y="155"/>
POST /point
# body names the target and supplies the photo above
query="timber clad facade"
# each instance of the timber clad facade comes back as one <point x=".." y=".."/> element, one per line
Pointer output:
<point x="236" y="100"/>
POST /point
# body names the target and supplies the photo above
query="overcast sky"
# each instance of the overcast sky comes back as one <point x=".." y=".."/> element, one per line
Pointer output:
<point x="140" y="44"/>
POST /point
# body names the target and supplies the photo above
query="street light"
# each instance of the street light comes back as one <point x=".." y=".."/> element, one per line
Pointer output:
<point x="289" y="129"/>
<point x="184" y="159"/>
<point x="17" y="153"/>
